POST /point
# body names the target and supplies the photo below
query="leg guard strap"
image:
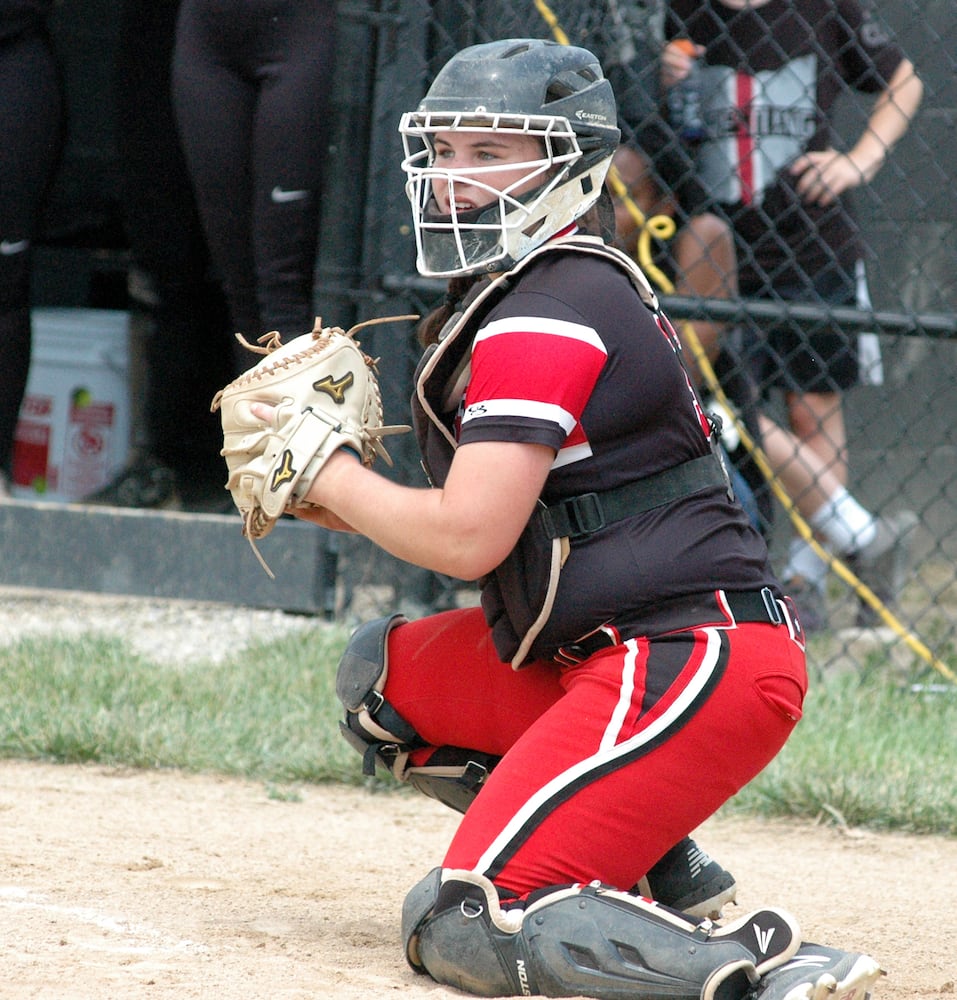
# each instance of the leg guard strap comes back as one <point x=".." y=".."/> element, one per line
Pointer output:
<point x="452" y="775"/>
<point x="585" y="940"/>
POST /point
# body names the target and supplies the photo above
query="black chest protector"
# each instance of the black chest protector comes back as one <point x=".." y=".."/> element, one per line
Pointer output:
<point x="518" y="596"/>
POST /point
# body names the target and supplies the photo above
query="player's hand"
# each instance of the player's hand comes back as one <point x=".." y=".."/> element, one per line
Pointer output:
<point x="317" y="515"/>
<point x="822" y="176"/>
<point x="322" y="517"/>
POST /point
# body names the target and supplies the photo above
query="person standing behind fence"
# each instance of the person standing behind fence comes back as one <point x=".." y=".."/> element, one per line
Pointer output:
<point x="31" y="141"/>
<point x="251" y="87"/>
<point x="180" y="335"/>
<point x="771" y="74"/>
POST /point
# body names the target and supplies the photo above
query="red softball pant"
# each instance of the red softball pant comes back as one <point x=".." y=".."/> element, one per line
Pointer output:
<point x="606" y="764"/>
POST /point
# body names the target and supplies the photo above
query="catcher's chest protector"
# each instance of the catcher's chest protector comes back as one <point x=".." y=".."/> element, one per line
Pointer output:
<point x="585" y="941"/>
<point x="519" y="596"/>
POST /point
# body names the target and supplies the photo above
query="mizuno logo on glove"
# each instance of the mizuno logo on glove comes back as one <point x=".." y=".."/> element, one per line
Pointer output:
<point x="284" y="473"/>
<point x="336" y="388"/>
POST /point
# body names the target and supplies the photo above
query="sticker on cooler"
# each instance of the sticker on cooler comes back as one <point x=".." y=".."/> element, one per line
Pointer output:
<point x="73" y="431"/>
<point x="32" y="443"/>
<point x="88" y="452"/>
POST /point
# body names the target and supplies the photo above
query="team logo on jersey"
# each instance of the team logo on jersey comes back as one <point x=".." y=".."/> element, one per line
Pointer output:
<point x="336" y="388"/>
<point x="284" y="473"/>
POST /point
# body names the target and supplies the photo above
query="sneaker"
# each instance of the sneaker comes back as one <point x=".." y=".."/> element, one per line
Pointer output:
<point x="145" y="482"/>
<point x="883" y="564"/>
<point x="810" y="601"/>
<point x="819" y="973"/>
<point x="689" y="880"/>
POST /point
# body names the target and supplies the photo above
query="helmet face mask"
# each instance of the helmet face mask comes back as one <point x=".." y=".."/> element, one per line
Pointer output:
<point x="483" y="237"/>
<point x="536" y="86"/>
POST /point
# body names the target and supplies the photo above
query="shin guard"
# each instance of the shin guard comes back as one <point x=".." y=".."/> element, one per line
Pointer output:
<point x="585" y="941"/>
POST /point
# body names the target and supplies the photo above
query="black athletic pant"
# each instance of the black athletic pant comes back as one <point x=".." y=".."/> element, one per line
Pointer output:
<point x="188" y="353"/>
<point x="31" y="116"/>
<point x="251" y="82"/>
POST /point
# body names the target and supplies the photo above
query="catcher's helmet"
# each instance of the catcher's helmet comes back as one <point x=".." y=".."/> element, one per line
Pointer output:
<point x="555" y="93"/>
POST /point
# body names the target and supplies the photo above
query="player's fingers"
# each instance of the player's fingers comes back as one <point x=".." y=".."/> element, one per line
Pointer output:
<point x="263" y="411"/>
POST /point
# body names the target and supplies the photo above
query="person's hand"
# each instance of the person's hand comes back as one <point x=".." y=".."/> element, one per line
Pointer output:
<point x="822" y="176"/>
<point x="322" y="517"/>
<point x="677" y="58"/>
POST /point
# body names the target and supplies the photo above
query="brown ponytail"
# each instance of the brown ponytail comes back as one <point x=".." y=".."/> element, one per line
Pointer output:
<point x="427" y="332"/>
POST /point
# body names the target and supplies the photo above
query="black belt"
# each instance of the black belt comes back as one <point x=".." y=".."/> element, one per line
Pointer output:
<point x="693" y="611"/>
<point x="590" y="512"/>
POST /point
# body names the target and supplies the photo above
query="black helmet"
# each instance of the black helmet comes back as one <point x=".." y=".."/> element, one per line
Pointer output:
<point x="555" y="93"/>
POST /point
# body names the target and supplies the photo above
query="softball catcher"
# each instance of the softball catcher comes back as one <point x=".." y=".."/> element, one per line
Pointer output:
<point x="634" y="662"/>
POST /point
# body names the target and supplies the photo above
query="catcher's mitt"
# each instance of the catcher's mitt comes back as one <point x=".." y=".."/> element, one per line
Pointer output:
<point x="326" y="395"/>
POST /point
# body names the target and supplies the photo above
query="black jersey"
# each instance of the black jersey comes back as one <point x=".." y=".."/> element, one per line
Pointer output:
<point x="571" y="357"/>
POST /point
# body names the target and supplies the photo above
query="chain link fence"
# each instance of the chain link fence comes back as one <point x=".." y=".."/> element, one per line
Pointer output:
<point x="901" y="448"/>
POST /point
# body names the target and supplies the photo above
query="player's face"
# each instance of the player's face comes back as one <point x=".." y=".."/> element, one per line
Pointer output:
<point x="511" y="157"/>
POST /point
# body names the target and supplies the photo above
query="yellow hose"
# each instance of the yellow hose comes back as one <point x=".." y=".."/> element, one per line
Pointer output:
<point x="839" y="568"/>
<point x="552" y="21"/>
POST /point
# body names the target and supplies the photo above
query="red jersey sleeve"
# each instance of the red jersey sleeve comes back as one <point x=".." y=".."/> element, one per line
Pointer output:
<point x="531" y="378"/>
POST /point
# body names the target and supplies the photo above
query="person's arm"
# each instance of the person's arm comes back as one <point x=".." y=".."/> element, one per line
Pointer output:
<point x="463" y="530"/>
<point x="824" y="175"/>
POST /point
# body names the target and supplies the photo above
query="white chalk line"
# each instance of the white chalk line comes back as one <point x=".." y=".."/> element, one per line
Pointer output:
<point x="151" y="941"/>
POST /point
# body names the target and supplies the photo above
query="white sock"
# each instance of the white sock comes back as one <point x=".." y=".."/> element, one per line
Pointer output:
<point x="804" y="562"/>
<point x="844" y="523"/>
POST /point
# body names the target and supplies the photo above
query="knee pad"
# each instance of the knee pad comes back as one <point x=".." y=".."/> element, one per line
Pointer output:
<point x="585" y="940"/>
<point x="371" y="725"/>
<point x="452" y="775"/>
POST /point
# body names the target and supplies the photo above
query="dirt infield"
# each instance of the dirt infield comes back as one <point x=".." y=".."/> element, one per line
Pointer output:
<point x="159" y="885"/>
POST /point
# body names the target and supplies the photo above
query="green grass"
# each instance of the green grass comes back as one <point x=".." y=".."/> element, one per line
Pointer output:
<point x="270" y="714"/>
<point x="869" y="752"/>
